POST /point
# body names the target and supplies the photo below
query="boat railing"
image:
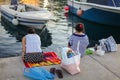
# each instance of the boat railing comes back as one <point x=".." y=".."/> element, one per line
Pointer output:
<point x="83" y="0"/>
<point x="113" y="3"/>
<point x="116" y="3"/>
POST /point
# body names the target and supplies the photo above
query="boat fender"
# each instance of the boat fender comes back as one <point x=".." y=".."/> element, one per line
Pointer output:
<point x="80" y="12"/>
<point x="66" y="9"/>
<point x="15" y="22"/>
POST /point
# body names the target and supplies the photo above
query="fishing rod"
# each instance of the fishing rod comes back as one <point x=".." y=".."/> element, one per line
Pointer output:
<point x="72" y="17"/>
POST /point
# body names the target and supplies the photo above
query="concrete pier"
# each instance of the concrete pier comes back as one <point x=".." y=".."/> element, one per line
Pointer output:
<point x="93" y="67"/>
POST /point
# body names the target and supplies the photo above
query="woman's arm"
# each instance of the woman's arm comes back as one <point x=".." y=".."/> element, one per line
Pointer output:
<point x="23" y="47"/>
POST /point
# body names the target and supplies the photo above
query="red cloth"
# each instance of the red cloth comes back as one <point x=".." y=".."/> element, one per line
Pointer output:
<point x="51" y="58"/>
<point x="26" y="64"/>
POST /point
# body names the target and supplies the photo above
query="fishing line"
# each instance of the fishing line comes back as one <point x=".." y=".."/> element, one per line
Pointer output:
<point x="72" y="17"/>
<point x="43" y="29"/>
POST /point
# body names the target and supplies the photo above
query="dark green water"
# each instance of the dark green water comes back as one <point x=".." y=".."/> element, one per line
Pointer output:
<point x="56" y="33"/>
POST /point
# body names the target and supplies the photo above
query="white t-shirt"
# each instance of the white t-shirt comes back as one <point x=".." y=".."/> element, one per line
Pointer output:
<point x="33" y="43"/>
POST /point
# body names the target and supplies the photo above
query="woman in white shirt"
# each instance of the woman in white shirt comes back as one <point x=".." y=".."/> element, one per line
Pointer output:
<point x="31" y="43"/>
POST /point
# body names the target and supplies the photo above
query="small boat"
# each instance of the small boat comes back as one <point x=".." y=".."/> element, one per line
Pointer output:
<point x="100" y="11"/>
<point x="27" y="15"/>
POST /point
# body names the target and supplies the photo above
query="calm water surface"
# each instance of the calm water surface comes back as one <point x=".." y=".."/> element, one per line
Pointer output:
<point x="56" y="33"/>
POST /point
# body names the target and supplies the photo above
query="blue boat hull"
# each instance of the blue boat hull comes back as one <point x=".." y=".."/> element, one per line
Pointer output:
<point x="99" y="16"/>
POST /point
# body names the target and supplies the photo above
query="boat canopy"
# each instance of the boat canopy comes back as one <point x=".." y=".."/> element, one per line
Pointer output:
<point x="115" y="3"/>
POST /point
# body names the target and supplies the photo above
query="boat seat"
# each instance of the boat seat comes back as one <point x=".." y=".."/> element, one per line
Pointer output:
<point x="21" y="8"/>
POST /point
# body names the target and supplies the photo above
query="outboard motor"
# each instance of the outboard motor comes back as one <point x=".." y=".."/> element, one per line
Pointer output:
<point x="14" y="2"/>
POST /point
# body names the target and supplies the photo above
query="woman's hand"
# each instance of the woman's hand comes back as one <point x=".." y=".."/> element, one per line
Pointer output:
<point x="23" y="47"/>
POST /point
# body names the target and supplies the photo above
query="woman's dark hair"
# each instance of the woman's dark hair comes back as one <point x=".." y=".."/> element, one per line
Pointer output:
<point x="79" y="27"/>
<point x="31" y="30"/>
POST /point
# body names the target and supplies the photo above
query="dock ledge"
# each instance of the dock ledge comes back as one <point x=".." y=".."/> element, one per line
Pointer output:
<point x="93" y="67"/>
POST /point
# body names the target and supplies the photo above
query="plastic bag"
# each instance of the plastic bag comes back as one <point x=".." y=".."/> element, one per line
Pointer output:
<point x="99" y="51"/>
<point x="89" y="51"/>
<point x="108" y="44"/>
<point x="38" y="73"/>
<point x="71" y="65"/>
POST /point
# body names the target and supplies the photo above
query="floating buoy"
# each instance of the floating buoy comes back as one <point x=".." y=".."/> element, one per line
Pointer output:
<point x="66" y="9"/>
<point x="15" y="22"/>
<point x="79" y="12"/>
<point x="66" y="14"/>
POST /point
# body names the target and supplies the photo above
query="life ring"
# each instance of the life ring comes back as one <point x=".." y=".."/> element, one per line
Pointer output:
<point x="80" y="12"/>
<point x="15" y="22"/>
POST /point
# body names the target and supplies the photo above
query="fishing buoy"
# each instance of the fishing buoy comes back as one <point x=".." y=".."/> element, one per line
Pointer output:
<point x="66" y="14"/>
<point x="66" y="9"/>
<point x="15" y="22"/>
<point x="79" y="12"/>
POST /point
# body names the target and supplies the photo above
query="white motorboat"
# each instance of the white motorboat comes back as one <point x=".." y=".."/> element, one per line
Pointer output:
<point x="27" y="15"/>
